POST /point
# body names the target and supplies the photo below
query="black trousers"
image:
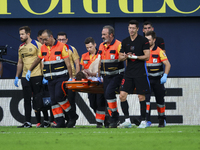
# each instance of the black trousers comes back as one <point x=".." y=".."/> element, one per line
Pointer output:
<point x="97" y="102"/>
<point x="159" y="92"/>
<point x="30" y="88"/>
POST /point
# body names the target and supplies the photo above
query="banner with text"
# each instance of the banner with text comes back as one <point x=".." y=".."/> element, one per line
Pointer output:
<point x="98" y="8"/>
<point x="182" y="107"/>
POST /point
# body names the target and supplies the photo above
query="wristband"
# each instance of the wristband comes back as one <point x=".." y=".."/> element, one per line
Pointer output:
<point x="132" y="56"/>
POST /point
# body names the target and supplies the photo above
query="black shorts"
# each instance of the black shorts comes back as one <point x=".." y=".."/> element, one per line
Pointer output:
<point x="140" y="83"/>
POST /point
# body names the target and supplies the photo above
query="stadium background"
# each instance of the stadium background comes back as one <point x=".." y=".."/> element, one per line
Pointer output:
<point x="180" y="30"/>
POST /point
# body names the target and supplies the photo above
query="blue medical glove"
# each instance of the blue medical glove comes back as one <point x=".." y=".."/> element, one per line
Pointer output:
<point x="44" y="81"/>
<point x="70" y="79"/>
<point x="163" y="79"/>
<point x="28" y="75"/>
<point x="16" y="81"/>
<point x="99" y="79"/>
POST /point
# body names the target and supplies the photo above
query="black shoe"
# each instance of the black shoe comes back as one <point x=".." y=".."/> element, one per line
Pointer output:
<point x="161" y="123"/>
<point x="136" y="122"/>
<point x="106" y="121"/>
<point x="25" y="125"/>
<point x="114" y="124"/>
<point x="45" y="124"/>
<point x="99" y="125"/>
<point x="71" y="123"/>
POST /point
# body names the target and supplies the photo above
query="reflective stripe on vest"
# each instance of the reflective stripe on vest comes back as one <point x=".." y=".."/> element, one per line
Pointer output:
<point x="53" y="62"/>
<point x="110" y="61"/>
<point x="55" y="73"/>
<point x="156" y="74"/>
<point x="113" y="72"/>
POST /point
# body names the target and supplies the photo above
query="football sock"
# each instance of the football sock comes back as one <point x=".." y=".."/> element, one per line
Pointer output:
<point x="125" y="107"/>
<point x="45" y="114"/>
<point x="38" y="116"/>
<point x="143" y="109"/>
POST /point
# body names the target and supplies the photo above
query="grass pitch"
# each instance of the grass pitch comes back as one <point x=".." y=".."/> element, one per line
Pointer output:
<point x="89" y="137"/>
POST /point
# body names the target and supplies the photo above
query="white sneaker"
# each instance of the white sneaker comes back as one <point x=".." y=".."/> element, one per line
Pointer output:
<point x="142" y="124"/>
<point x="125" y="125"/>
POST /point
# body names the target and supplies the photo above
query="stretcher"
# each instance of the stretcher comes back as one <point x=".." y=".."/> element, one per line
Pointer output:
<point x="85" y="85"/>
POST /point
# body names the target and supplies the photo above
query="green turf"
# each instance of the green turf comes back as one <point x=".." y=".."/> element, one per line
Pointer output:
<point x="91" y="138"/>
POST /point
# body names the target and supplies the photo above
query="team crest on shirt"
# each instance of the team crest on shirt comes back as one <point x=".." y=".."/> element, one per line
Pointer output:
<point x="30" y="49"/>
<point x="154" y="60"/>
<point x="132" y="48"/>
<point x="66" y="49"/>
<point x="112" y="56"/>
<point x="57" y="57"/>
<point x="164" y="54"/>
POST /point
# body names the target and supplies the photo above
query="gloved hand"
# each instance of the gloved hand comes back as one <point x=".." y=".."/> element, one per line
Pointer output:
<point x="70" y="79"/>
<point x="44" y="81"/>
<point x="16" y="81"/>
<point x="163" y="79"/>
<point x="28" y="75"/>
<point x="99" y="79"/>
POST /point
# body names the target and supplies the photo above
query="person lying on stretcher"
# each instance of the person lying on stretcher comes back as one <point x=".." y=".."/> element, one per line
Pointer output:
<point x="86" y="74"/>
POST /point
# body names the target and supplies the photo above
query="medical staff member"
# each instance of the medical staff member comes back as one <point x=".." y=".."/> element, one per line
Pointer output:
<point x="56" y="68"/>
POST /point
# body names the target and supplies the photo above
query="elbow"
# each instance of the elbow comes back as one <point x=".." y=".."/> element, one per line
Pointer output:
<point x="147" y="59"/>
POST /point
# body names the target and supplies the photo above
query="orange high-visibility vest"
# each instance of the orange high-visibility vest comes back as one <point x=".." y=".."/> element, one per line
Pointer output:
<point x="154" y="64"/>
<point x="54" y="64"/>
<point x="109" y="59"/>
<point x="86" y="60"/>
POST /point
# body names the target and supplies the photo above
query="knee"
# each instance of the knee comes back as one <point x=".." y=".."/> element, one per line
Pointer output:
<point x="141" y="98"/>
<point x="122" y="96"/>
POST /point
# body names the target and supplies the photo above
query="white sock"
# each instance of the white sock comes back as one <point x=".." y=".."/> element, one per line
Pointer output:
<point x="128" y="120"/>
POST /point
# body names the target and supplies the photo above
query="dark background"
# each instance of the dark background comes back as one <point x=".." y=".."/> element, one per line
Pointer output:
<point x="181" y="37"/>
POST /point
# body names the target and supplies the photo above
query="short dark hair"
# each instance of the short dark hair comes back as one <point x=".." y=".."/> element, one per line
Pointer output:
<point x="152" y="33"/>
<point x="40" y="32"/>
<point x="26" y="28"/>
<point x="62" y="33"/>
<point x="89" y="40"/>
<point x="146" y="23"/>
<point x="80" y="75"/>
<point x="49" y="32"/>
<point x="110" y="29"/>
<point x="134" y="22"/>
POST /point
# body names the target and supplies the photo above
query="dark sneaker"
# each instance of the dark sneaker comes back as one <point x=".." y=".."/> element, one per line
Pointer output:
<point x="71" y="123"/>
<point x="162" y="123"/>
<point x="99" y="125"/>
<point x="136" y="122"/>
<point x="25" y="125"/>
<point x="114" y="124"/>
<point x="46" y="124"/>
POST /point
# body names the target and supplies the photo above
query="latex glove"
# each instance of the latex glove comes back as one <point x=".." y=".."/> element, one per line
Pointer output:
<point x="99" y="79"/>
<point x="163" y="79"/>
<point x="28" y="75"/>
<point x="44" y="81"/>
<point x="16" y="81"/>
<point x="70" y="79"/>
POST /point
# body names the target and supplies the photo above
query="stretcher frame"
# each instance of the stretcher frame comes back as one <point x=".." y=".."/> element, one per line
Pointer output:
<point x="85" y="86"/>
